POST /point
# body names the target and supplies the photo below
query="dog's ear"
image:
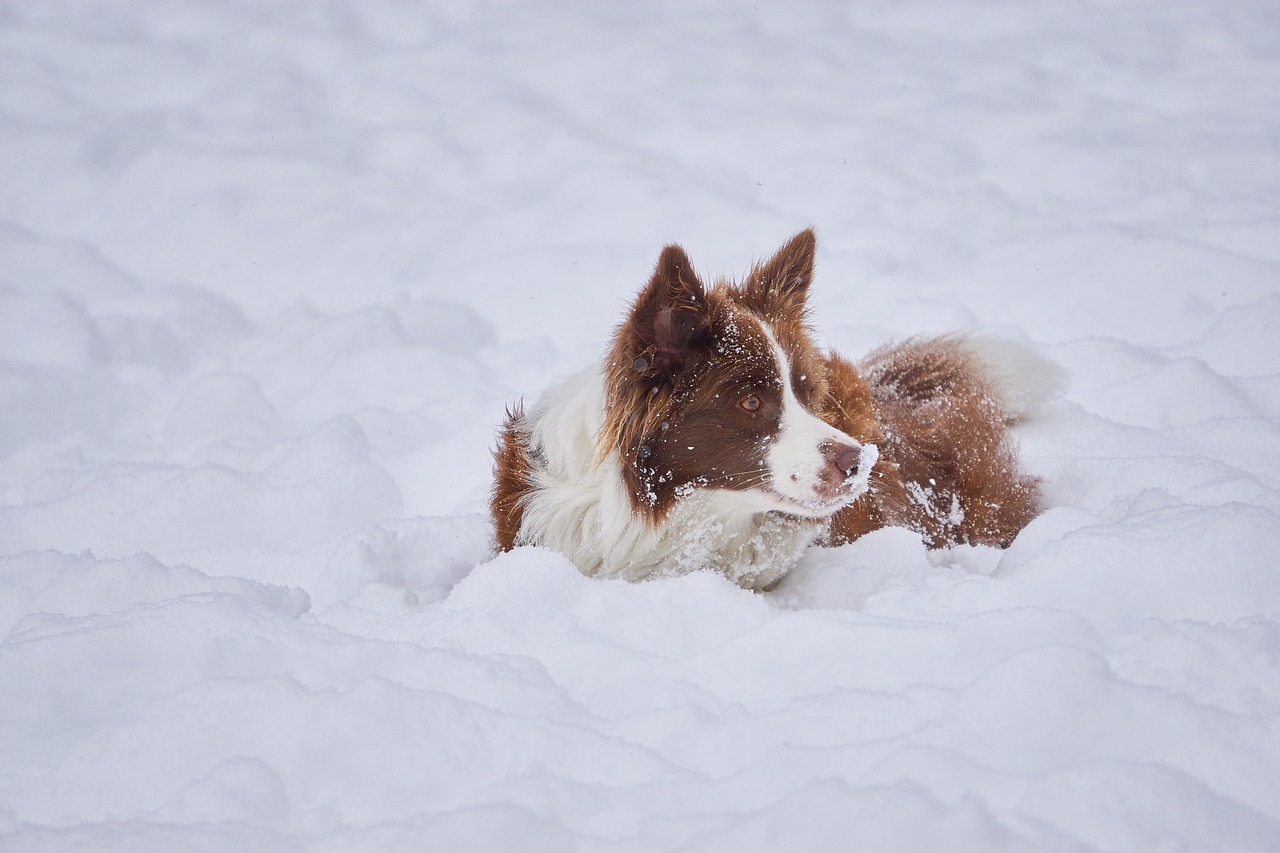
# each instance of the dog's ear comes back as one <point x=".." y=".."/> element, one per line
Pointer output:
<point x="670" y="317"/>
<point x="781" y="284"/>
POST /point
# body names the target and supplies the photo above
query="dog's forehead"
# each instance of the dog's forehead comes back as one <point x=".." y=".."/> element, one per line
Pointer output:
<point x="742" y="338"/>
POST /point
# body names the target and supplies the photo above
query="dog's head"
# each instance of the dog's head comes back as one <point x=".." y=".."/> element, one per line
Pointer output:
<point x="724" y="388"/>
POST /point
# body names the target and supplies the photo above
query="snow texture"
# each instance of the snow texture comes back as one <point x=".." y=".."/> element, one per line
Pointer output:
<point x="270" y="272"/>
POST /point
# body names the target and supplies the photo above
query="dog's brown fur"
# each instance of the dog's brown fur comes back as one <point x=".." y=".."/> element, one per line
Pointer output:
<point x="947" y="468"/>
<point x="512" y="480"/>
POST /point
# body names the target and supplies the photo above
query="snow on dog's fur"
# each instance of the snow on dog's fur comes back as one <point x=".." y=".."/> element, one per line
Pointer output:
<point x="716" y="434"/>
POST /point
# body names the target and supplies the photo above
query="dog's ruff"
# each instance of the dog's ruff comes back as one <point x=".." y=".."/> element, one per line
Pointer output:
<point x="716" y="435"/>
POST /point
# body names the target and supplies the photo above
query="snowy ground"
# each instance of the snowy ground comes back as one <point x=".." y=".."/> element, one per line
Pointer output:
<point x="269" y="273"/>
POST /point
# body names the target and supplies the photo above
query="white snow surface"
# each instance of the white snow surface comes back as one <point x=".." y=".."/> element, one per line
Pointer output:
<point x="270" y="272"/>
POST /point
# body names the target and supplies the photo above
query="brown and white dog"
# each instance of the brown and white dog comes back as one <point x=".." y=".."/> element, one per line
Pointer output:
<point x="717" y="435"/>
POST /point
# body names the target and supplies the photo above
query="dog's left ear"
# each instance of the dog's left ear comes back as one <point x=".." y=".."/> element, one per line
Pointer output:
<point x="781" y="284"/>
<point x="669" y="318"/>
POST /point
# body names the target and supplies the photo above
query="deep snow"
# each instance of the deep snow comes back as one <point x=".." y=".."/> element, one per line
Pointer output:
<point x="269" y="273"/>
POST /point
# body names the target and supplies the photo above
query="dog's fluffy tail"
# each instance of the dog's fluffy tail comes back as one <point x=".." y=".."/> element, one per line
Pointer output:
<point x="1021" y="378"/>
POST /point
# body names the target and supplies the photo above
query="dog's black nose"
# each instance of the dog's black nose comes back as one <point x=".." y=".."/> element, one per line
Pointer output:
<point x="847" y="459"/>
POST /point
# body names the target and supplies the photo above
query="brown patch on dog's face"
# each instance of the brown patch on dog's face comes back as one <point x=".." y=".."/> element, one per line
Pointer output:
<point x="717" y="419"/>
<point x="694" y="391"/>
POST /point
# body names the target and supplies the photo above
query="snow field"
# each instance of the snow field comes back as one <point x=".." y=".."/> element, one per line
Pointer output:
<point x="269" y="275"/>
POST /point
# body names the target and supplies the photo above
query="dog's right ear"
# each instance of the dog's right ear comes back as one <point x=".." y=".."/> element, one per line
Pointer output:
<point x="669" y="319"/>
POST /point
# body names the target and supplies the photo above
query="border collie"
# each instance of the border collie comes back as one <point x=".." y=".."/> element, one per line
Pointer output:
<point x="715" y="434"/>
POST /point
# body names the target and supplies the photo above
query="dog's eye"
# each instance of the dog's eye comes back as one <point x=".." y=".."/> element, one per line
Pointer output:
<point x="750" y="403"/>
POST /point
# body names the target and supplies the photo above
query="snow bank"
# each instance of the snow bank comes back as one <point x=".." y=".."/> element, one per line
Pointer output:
<point x="269" y="277"/>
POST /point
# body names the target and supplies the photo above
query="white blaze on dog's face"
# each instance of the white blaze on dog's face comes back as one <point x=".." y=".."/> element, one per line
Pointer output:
<point x="814" y="468"/>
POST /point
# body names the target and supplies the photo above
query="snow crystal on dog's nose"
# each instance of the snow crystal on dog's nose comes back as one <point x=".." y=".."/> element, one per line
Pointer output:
<point x="859" y="476"/>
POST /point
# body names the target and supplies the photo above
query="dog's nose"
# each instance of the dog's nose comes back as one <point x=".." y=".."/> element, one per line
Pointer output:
<point x="847" y="458"/>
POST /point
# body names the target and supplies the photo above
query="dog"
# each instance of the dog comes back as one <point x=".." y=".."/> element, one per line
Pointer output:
<point x="716" y="435"/>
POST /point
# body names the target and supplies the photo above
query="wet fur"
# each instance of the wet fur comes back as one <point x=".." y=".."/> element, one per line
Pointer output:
<point x="643" y="466"/>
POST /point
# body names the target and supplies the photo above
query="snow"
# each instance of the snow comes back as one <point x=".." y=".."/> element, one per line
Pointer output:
<point x="270" y="273"/>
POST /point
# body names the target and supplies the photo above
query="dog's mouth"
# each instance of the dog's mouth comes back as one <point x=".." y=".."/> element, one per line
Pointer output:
<point x="829" y="498"/>
<point x="816" y="507"/>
